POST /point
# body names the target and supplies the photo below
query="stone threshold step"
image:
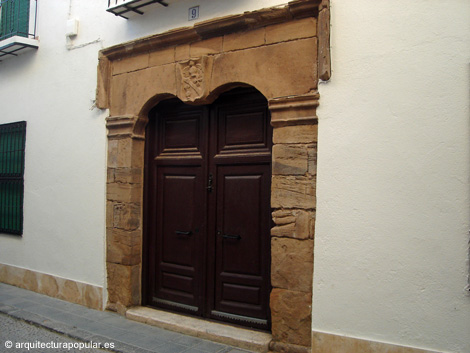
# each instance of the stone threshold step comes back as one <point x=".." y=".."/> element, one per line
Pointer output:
<point x="221" y="333"/>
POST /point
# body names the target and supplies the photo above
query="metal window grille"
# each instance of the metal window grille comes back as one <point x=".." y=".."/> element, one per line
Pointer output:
<point x="12" y="148"/>
<point x="14" y="19"/>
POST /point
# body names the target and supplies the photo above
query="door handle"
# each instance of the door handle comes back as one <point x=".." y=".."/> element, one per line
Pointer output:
<point x="209" y="183"/>
<point x="179" y="232"/>
<point x="229" y="236"/>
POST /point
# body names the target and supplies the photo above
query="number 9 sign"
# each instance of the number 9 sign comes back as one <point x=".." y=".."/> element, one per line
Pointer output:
<point x="193" y="13"/>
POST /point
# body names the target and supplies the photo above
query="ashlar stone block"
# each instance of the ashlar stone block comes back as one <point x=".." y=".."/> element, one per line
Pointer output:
<point x="124" y="247"/>
<point x="291" y="316"/>
<point x="290" y="159"/>
<point x="293" y="192"/>
<point x="297" y="224"/>
<point x="123" y="284"/>
<point x="292" y="264"/>
<point x="126" y="216"/>
<point x="295" y="134"/>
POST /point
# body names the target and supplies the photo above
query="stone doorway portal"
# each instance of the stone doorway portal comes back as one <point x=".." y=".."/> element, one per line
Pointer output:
<point x="281" y="53"/>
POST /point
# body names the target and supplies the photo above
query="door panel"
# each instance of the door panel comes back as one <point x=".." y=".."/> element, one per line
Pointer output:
<point x="208" y="216"/>
<point x="243" y="219"/>
<point x="178" y="242"/>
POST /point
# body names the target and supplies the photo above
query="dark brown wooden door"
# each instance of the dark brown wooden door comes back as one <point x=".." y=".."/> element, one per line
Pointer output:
<point x="208" y="216"/>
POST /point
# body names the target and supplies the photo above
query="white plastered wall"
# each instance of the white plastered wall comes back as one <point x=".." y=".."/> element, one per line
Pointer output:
<point x="391" y="242"/>
<point x="53" y="89"/>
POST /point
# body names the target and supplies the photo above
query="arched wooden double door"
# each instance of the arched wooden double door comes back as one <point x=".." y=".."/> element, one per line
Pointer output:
<point x="207" y="213"/>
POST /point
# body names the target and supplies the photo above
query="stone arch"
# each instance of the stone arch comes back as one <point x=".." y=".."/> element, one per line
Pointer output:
<point x="197" y="64"/>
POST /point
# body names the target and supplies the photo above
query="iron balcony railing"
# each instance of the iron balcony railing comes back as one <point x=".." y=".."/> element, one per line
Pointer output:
<point x="124" y="7"/>
<point x="18" y="18"/>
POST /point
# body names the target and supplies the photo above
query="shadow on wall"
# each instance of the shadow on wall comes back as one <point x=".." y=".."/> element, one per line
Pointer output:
<point x="157" y="18"/>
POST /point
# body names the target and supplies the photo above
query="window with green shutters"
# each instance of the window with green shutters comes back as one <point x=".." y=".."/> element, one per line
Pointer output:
<point x="14" y="18"/>
<point x="12" y="147"/>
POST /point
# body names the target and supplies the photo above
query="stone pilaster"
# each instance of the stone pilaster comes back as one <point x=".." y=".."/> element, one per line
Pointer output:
<point x="293" y="200"/>
<point x="124" y="210"/>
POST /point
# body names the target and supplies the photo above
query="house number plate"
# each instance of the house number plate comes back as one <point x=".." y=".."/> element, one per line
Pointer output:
<point x="193" y="13"/>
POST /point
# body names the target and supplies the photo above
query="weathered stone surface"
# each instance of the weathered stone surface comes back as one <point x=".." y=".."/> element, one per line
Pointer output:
<point x="182" y="52"/>
<point x="303" y="28"/>
<point x="291" y="316"/>
<point x="290" y="159"/>
<point x="250" y="39"/>
<point x="324" y="57"/>
<point x="312" y="159"/>
<point x="330" y="343"/>
<point x="92" y="297"/>
<point x="292" y="264"/>
<point x="292" y="192"/>
<point x="110" y="214"/>
<point x="12" y="275"/>
<point x="30" y="281"/>
<point x="134" y="63"/>
<point x="282" y="347"/>
<point x="128" y="175"/>
<point x="52" y="286"/>
<point x="272" y="69"/>
<point x="70" y="292"/>
<point x="48" y="285"/>
<point x="295" y="134"/>
<point x="124" y="192"/>
<point x="193" y="78"/>
<point x="110" y="175"/>
<point x="131" y="91"/>
<point x="124" y="247"/>
<point x="120" y="153"/>
<point x="126" y="216"/>
<point x="123" y="284"/>
<point x="297" y="224"/>
<point x="126" y="153"/>
<point x="206" y="47"/>
<point x="162" y="57"/>
<point x="294" y="110"/>
<point x="103" y="82"/>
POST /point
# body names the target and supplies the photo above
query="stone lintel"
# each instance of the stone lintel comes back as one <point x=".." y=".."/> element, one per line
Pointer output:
<point x="294" y="110"/>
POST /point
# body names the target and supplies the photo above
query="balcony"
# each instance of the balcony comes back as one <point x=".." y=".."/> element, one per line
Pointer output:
<point x="17" y="27"/>
<point x="129" y="8"/>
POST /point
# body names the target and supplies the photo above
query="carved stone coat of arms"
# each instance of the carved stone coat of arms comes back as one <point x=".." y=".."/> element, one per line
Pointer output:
<point x="193" y="84"/>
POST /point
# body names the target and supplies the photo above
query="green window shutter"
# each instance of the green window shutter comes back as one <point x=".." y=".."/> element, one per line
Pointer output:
<point x="12" y="147"/>
<point x="14" y="18"/>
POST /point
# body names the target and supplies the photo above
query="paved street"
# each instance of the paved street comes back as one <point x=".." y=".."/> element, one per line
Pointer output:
<point x="21" y="336"/>
<point x="21" y="311"/>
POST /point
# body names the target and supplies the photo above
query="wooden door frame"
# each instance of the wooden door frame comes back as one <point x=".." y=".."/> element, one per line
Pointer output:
<point x="279" y="52"/>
